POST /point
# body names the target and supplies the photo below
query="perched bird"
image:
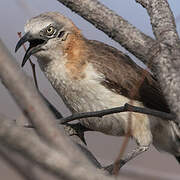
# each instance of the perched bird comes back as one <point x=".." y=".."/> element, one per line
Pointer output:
<point x="90" y="76"/>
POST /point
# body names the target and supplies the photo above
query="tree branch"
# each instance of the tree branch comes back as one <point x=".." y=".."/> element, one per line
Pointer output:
<point x="162" y="20"/>
<point x="45" y="155"/>
<point x="166" y="61"/>
<point x="125" y="108"/>
<point x="27" y="97"/>
<point x="114" y="26"/>
<point x="139" y="44"/>
<point x="19" y="167"/>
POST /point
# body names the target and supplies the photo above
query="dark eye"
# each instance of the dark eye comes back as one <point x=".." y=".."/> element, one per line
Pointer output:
<point x="50" y="31"/>
<point x="61" y="34"/>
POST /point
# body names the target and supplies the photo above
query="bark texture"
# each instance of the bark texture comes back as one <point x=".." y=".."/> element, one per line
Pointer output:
<point x="47" y="146"/>
<point x="167" y="60"/>
<point x="161" y="55"/>
<point x="114" y="26"/>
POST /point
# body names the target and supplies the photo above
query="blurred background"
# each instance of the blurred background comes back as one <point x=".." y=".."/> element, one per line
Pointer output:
<point x="15" y="13"/>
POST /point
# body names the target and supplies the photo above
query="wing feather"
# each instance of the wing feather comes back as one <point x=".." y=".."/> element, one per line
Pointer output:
<point x="123" y="76"/>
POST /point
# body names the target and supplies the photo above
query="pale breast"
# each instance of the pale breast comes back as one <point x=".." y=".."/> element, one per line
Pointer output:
<point x="88" y="94"/>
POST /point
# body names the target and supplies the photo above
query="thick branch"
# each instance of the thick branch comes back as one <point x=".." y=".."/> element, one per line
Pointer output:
<point x="27" y="97"/>
<point x="162" y="20"/>
<point x="18" y="166"/>
<point x="46" y="156"/>
<point x="139" y="44"/>
<point x="167" y="59"/>
<point x="114" y="26"/>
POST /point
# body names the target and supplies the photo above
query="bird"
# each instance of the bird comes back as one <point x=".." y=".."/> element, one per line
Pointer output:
<point x="90" y="76"/>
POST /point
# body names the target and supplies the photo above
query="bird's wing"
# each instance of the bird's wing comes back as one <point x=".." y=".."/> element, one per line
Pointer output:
<point x="124" y="77"/>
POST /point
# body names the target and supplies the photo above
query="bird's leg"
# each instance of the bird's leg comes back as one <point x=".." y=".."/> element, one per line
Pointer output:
<point x="119" y="163"/>
<point x="135" y="153"/>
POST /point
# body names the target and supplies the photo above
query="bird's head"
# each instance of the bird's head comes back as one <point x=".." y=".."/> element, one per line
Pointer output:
<point x="45" y="33"/>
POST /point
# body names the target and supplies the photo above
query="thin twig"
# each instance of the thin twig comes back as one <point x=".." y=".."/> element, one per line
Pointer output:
<point x="126" y="108"/>
<point x="118" y="163"/>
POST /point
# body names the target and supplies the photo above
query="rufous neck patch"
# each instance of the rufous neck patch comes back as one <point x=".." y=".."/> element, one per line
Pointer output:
<point x="75" y="53"/>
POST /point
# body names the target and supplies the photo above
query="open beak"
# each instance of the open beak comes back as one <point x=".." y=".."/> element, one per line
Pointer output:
<point x="35" y="46"/>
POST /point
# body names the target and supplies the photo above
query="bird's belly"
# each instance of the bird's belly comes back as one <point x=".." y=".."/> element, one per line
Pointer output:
<point x="89" y="94"/>
<point x="91" y="99"/>
<point x="86" y="97"/>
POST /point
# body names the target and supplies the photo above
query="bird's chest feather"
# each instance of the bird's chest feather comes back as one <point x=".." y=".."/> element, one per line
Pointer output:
<point x="81" y="91"/>
<point x="88" y="94"/>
